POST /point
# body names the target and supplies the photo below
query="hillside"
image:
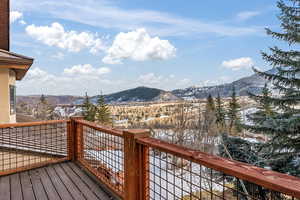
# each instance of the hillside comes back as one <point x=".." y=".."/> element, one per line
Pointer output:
<point x="253" y="83"/>
<point x="54" y="100"/>
<point x="139" y="94"/>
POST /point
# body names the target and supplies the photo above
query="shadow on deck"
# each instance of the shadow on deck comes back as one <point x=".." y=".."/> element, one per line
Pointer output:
<point x="58" y="181"/>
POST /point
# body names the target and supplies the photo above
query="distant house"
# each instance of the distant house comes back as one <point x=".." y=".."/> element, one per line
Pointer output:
<point x="13" y="67"/>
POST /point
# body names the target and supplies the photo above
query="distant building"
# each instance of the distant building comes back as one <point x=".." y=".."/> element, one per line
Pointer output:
<point x="13" y="67"/>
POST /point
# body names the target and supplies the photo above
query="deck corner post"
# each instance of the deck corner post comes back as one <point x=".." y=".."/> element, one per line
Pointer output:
<point x="74" y="137"/>
<point x="136" y="165"/>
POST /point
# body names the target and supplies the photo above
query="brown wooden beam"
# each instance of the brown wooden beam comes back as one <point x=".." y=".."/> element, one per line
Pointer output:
<point x="272" y="180"/>
<point x="135" y="165"/>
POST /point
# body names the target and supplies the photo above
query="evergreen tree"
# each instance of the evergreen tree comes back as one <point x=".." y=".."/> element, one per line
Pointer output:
<point x="265" y="111"/>
<point x="210" y="116"/>
<point x="234" y="118"/>
<point x="242" y="150"/>
<point x="210" y="106"/>
<point x="43" y="110"/>
<point x="220" y="114"/>
<point x="103" y="114"/>
<point x="43" y="99"/>
<point x="283" y="128"/>
<point x="88" y="109"/>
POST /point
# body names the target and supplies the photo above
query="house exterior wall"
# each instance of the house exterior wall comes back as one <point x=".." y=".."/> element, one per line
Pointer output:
<point x="7" y="77"/>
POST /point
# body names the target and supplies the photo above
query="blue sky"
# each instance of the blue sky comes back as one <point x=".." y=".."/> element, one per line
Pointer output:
<point x="108" y="46"/>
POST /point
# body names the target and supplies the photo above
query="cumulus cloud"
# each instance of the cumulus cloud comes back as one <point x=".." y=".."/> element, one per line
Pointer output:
<point x="247" y="15"/>
<point x="184" y="82"/>
<point x="164" y="82"/>
<point x="86" y="70"/>
<point x="58" y="55"/>
<point x="78" y="79"/>
<point x="15" y="15"/>
<point x="139" y="46"/>
<point x="239" y="63"/>
<point x="38" y="74"/>
<point x="150" y="78"/>
<point x="75" y="80"/>
<point x="56" y="35"/>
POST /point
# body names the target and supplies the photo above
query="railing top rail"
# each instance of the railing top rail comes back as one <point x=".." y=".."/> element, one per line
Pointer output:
<point x="26" y="124"/>
<point x="97" y="127"/>
<point x="283" y="183"/>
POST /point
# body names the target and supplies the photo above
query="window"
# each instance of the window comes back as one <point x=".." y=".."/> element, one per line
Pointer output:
<point x="12" y="95"/>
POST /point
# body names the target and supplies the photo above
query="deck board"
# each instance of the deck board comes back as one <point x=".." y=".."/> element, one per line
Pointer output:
<point x="63" y="181"/>
<point x="85" y="190"/>
<point x="27" y="188"/>
<point x="4" y="188"/>
<point x="15" y="182"/>
<point x="38" y="187"/>
<point x="49" y="187"/>
<point x="88" y="181"/>
<point x="58" y="184"/>
<point x="74" y="191"/>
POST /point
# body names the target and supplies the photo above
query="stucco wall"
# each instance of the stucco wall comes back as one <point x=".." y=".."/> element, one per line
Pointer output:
<point x="6" y="78"/>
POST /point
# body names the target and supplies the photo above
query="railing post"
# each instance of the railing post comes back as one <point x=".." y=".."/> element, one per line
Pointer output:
<point x="74" y="138"/>
<point x="136" y="165"/>
<point x="70" y="132"/>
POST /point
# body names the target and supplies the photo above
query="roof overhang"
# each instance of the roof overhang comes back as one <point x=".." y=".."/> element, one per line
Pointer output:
<point x="19" y="63"/>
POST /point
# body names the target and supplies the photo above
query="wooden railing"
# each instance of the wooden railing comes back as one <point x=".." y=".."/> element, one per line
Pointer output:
<point x="24" y="146"/>
<point x="134" y="166"/>
<point x="137" y="167"/>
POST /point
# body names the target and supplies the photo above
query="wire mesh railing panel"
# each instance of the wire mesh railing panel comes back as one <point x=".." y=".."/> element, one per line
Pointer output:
<point x="174" y="178"/>
<point x="103" y="153"/>
<point x="31" y="145"/>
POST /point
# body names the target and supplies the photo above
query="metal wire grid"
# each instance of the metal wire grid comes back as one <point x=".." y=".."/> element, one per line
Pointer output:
<point x="105" y="154"/>
<point x="172" y="177"/>
<point x="24" y="146"/>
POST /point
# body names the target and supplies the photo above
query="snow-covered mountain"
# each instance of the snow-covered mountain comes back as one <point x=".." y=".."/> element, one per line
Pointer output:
<point x="253" y="84"/>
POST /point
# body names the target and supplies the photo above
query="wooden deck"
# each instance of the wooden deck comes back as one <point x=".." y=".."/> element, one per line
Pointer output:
<point x="63" y="181"/>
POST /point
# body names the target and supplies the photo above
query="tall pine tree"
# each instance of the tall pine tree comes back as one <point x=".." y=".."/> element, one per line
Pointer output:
<point x="103" y="114"/>
<point x="283" y="128"/>
<point x="210" y="116"/>
<point x="88" y="109"/>
<point x="220" y="114"/>
<point x="264" y="111"/>
<point x="234" y="118"/>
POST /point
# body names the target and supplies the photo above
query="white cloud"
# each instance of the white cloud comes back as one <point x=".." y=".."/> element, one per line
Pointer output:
<point x="150" y="78"/>
<point x="163" y="82"/>
<point x="55" y="35"/>
<point x="58" y="55"/>
<point x="239" y="63"/>
<point x="22" y="22"/>
<point x="86" y="70"/>
<point x="247" y="15"/>
<point x="37" y="74"/>
<point x="184" y="82"/>
<point x="79" y="79"/>
<point x="15" y="15"/>
<point x="74" y="81"/>
<point x="106" y="14"/>
<point x="139" y="46"/>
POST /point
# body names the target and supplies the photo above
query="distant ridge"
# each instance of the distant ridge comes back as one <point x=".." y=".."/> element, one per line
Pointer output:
<point x="139" y="94"/>
<point x="253" y="83"/>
